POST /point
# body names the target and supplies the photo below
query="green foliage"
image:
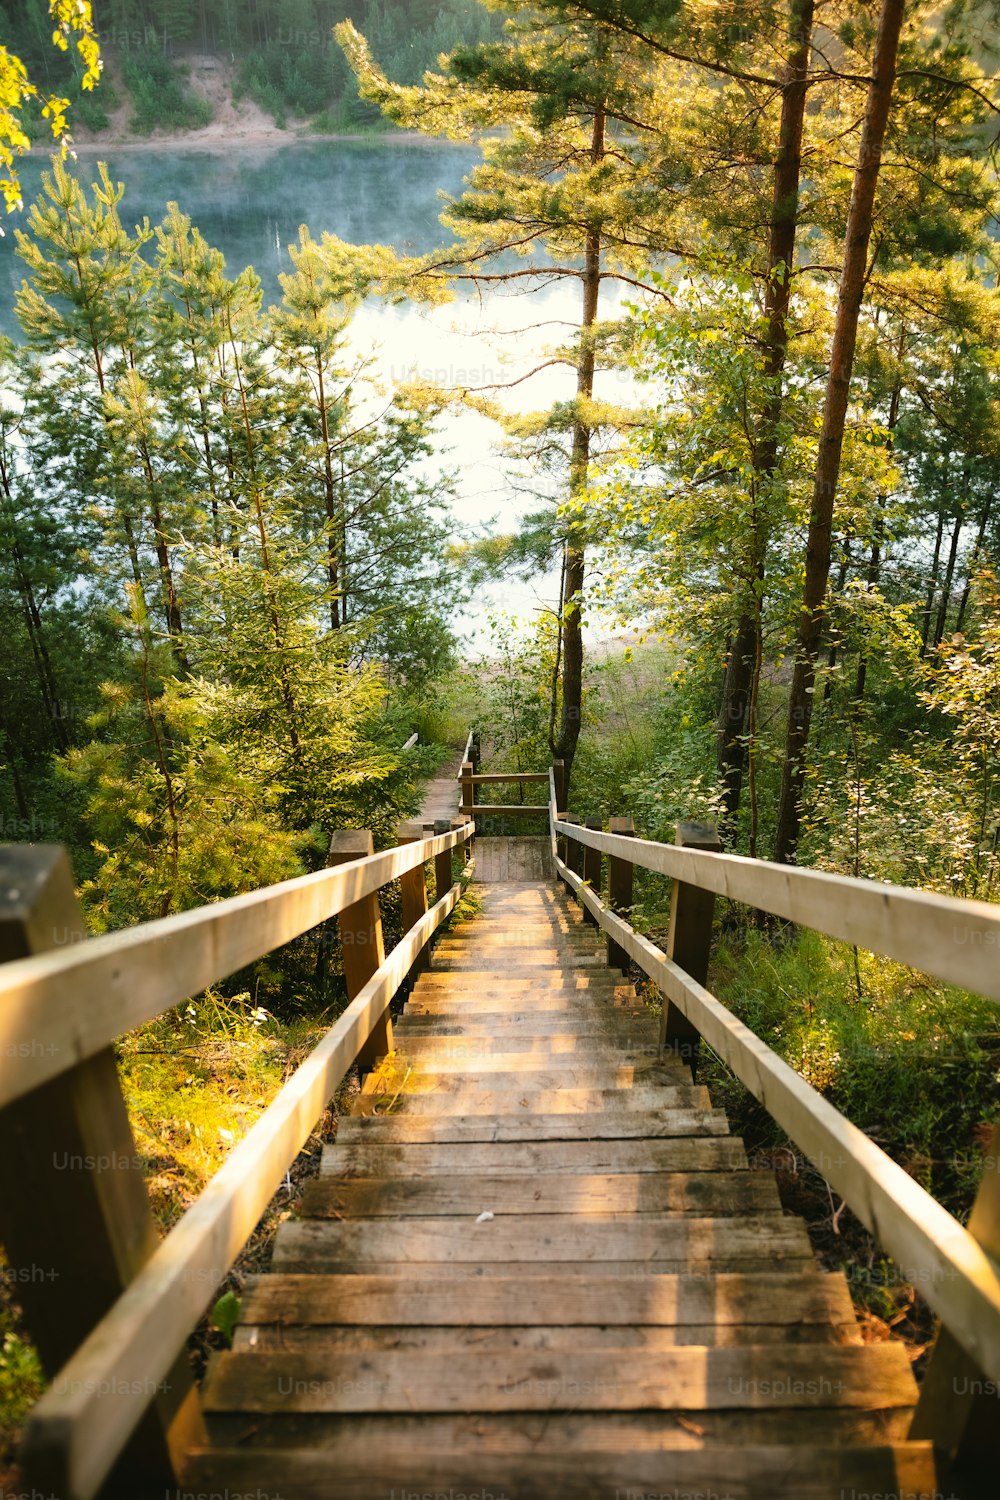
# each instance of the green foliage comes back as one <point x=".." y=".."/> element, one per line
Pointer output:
<point x="226" y="1314"/>
<point x="913" y="1063"/>
<point x="159" y="98"/>
<point x="259" y="538"/>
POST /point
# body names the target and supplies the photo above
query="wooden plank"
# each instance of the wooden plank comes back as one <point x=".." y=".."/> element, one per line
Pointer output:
<point x="476" y="1051"/>
<point x="486" y="1434"/>
<point x="681" y="1244"/>
<point x="808" y="1297"/>
<point x="466" y="1096"/>
<point x="689" y="942"/>
<point x="956" y="1276"/>
<point x="594" y="1021"/>
<point x="690" y="1379"/>
<point x="741" y="1472"/>
<point x="508" y="1070"/>
<point x="84" y="1419"/>
<point x="92" y="992"/>
<point x="715" y="1193"/>
<point x="362" y="1339"/>
<point x="618" y="1140"/>
<point x="498" y="777"/>
<point x="361" y="937"/>
<point x="517" y="809"/>
<point x="956" y="940"/>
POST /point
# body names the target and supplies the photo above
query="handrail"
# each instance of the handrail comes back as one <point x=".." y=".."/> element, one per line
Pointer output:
<point x="507" y="776"/>
<point x="95" y="991"/>
<point x="954" y="939"/>
<point x="81" y="1424"/>
<point x="957" y="1277"/>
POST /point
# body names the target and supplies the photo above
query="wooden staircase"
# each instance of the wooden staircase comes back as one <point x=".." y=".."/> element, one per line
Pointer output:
<point x="537" y="1265"/>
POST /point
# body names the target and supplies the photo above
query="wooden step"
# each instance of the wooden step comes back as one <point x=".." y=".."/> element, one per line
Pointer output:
<point x="626" y="1140"/>
<point x="585" y="1046"/>
<point x="362" y="1339"/>
<point x="364" y="1466"/>
<point x="715" y="1193"/>
<point x="486" y="1434"/>
<point x="550" y="1006"/>
<point x="594" y="1021"/>
<point x="527" y="981"/>
<point x="807" y="1299"/>
<point x="506" y="1070"/>
<point x="468" y="1096"/>
<point x="691" y="1378"/>
<point x="678" y="1244"/>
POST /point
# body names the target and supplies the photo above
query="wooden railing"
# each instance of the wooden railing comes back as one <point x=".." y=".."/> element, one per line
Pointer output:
<point x="109" y="1303"/>
<point x="956" y="1269"/>
<point x="470" y="777"/>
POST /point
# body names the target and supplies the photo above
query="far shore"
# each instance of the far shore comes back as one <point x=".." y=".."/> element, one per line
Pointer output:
<point x="213" y="139"/>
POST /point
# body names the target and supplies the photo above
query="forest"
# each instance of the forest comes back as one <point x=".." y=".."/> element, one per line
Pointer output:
<point x="284" y="55"/>
<point x="231" y="581"/>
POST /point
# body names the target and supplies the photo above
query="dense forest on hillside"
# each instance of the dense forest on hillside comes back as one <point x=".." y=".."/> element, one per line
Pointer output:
<point x="230" y="579"/>
<point x="284" y="54"/>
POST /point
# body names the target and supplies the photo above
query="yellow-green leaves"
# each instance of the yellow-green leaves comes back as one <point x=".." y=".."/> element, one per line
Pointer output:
<point x="74" y="23"/>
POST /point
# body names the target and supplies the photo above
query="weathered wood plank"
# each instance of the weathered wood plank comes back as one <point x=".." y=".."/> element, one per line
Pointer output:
<point x="716" y="1193"/>
<point x="623" y="1140"/>
<point x="592" y="1022"/>
<point x="808" y="1298"/>
<point x="689" y="1379"/>
<point x="555" y="1047"/>
<point x="484" y="1434"/>
<point x="363" y="1339"/>
<point x="804" y="1472"/>
<point x="674" y="1244"/>
<point x="513" y="1069"/>
<point x="468" y="1097"/>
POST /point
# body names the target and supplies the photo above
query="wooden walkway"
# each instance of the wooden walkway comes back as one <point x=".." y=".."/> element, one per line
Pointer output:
<point x="441" y="798"/>
<point x="537" y="1265"/>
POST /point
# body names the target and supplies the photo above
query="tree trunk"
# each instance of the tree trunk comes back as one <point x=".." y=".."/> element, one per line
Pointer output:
<point x="731" y="725"/>
<point x="949" y="573"/>
<point x="571" y="623"/>
<point x="852" y="284"/>
<point x="925" y="629"/>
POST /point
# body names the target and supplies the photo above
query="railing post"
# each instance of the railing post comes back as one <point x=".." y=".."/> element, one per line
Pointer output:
<point x="413" y="889"/>
<point x="361" y="938"/>
<point x="475" y="752"/>
<point x="559" y="776"/>
<point x="957" y="1409"/>
<point x="574" y="851"/>
<point x="620" y="875"/>
<point x="75" y="1218"/>
<point x="689" y="942"/>
<point x="468" y="791"/>
<point x="592" y="869"/>
<point x="443" y="867"/>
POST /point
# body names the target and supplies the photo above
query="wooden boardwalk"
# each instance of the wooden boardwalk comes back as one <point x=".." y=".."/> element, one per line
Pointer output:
<point x="441" y="797"/>
<point x="537" y="1265"/>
